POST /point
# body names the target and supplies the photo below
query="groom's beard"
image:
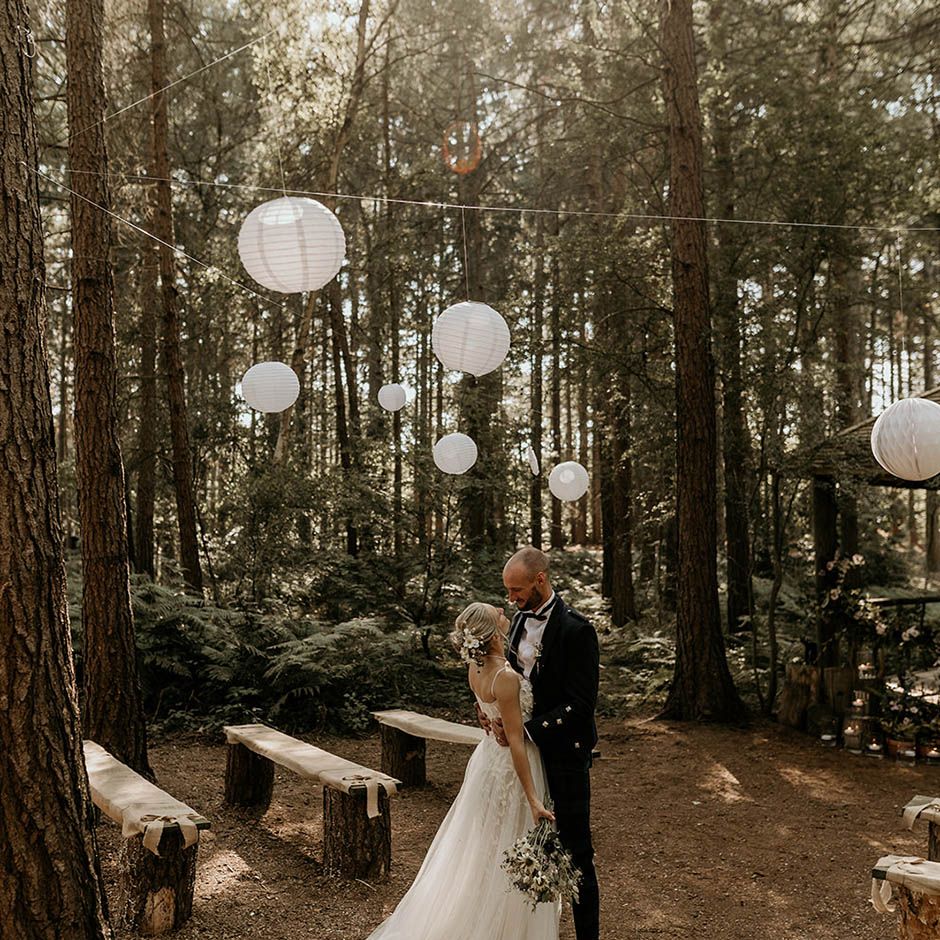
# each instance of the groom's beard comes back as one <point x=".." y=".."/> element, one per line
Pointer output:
<point x="534" y="602"/>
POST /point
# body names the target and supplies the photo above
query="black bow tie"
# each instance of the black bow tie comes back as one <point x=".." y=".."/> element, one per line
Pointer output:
<point x="542" y="617"/>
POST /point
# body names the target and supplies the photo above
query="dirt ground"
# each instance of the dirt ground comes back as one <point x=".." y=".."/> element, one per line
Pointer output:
<point x="700" y="832"/>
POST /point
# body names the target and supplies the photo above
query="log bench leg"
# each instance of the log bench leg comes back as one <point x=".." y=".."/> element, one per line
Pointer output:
<point x="156" y="891"/>
<point x="403" y="756"/>
<point x="249" y="778"/>
<point x="355" y="846"/>
<point x="933" y="843"/>
<point x="919" y="915"/>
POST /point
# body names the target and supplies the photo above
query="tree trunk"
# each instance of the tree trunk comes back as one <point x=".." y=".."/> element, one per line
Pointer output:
<point x="156" y="891"/>
<point x="825" y="542"/>
<point x="355" y="846"/>
<point x="702" y="687"/>
<point x="51" y="887"/>
<point x="736" y="451"/>
<point x="556" y="534"/>
<point x="931" y="520"/>
<point x="112" y="709"/>
<point x="147" y="434"/>
<point x="172" y="357"/>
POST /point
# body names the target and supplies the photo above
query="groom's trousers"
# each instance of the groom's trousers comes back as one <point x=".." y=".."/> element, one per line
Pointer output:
<point x="570" y="789"/>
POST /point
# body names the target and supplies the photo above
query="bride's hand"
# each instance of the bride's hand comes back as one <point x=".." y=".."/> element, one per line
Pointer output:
<point x="539" y="811"/>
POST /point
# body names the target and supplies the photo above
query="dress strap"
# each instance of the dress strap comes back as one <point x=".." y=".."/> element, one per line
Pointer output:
<point x="496" y="676"/>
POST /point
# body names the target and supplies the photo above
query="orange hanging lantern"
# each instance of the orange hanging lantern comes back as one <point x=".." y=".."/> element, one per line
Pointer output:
<point x="462" y="148"/>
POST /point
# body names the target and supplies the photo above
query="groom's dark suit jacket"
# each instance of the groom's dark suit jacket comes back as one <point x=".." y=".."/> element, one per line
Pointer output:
<point x="564" y="685"/>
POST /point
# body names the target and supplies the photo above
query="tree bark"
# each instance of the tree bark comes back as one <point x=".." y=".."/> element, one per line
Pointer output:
<point x="112" y="707"/>
<point x="403" y="756"/>
<point x="702" y="687"/>
<point x="51" y="887"/>
<point x="355" y="846"/>
<point x="172" y="356"/>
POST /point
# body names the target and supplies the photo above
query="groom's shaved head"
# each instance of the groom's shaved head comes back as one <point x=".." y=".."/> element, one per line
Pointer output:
<point x="529" y="562"/>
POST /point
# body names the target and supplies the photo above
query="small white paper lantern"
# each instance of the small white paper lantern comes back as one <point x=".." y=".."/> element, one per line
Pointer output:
<point x="533" y="462"/>
<point x="455" y="453"/>
<point x="292" y="244"/>
<point x="270" y="387"/>
<point x="392" y="397"/>
<point x="906" y="439"/>
<point x="470" y="337"/>
<point x="568" y="481"/>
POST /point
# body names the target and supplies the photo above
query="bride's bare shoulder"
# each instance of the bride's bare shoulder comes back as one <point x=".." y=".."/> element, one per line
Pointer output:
<point x="506" y="684"/>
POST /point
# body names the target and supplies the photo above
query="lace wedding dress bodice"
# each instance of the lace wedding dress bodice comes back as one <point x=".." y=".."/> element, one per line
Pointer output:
<point x="460" y="891"/>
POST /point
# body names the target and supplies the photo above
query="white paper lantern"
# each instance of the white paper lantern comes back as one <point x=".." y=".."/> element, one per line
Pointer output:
<point x="568" y="481"/>
<point x="270" y="387"/>
<point x="455" y="453"/>
<point x="470" y="337"/>
<point x="533" y="462"/>
<point x="292" y="244"/>
<point x="906" y="439"/>
<point x="392" y="397"/>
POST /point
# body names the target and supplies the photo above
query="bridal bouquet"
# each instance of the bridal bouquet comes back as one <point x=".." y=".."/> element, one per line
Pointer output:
<point x="540" y="867"/>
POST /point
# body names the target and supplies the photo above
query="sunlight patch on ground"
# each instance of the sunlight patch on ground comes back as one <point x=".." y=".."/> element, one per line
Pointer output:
<point x="819" y="785"/>
<point x="221" y="871"/>
<point x="720" y="782"/>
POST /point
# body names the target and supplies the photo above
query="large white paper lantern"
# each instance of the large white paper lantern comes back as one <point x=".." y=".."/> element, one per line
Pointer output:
<point x="292" y="244"/>
<point x="568" y="481"/>
<point x="455" y="453"/>
<point x="533" y="461"/>
<point x="470" y="337"/>
<point x="906" y="439"/>
<point x="392" y="397"/>
<point x="270" y="387"/>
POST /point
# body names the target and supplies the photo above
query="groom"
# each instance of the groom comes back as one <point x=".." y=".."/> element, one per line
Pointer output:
<point x="556" y="648"/>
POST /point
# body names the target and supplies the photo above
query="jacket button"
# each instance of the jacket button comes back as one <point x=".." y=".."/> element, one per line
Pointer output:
<point x="577" y="744"/>
<point x="557" y="721"/>
<point x="567" y="708"/>
<point x="544" y="724"/>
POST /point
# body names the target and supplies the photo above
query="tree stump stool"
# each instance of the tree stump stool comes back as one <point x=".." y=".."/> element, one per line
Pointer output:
<point x="355" y="846"/>
<point x="155" y="892"/>
<point x="403" y="756"/>
<point x="249" y="778"/>
<point x="916" y="884"/>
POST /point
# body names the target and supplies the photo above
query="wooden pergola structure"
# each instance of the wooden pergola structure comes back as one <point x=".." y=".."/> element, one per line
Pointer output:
<point x="845" y="458"/>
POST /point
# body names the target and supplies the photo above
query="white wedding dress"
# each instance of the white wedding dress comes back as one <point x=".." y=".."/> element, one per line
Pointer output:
<point x="460" y="891"/>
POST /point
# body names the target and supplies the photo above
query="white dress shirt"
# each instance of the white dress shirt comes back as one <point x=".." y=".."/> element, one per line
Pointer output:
<point x="531" y="637"/>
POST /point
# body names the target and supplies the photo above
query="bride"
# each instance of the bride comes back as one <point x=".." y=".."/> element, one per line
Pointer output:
<point x="460" y="891"/>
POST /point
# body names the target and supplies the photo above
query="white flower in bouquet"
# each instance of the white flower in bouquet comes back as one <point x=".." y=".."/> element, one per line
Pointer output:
<point x="540" y="867"/>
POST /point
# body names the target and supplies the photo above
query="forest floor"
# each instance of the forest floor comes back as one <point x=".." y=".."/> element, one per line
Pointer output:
<point x="700" y="832"/>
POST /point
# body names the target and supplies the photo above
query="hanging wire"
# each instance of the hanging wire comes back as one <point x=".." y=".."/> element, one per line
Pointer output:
<point x="466" y="266"/>
<point x="160" y="91"/>
<point x="521" y="210"/>
<point x="277" y="115"/>
<point x="900" y="277"/>
<point x="156" y="238"/>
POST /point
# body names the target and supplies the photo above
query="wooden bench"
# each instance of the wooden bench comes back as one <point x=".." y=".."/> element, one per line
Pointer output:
<point x="926" y="808"/>
<point x="404" y="741"/>
<point x="916" y="882"/>
<point x="357" y="830"/>
<point x="158" y="857"/>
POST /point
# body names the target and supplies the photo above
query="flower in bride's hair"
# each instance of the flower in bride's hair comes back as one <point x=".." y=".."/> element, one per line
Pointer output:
<point x="470" y="647"/>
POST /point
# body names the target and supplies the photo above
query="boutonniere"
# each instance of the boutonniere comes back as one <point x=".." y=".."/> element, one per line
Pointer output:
<point x="538" y="656"/>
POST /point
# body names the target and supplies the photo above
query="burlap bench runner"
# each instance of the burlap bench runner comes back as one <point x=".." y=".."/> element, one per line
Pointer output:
<point x="313" y="762"/>
<point x="423" y="726"/>
<point x="911" y="871"/>
<point x="138" y="805"/>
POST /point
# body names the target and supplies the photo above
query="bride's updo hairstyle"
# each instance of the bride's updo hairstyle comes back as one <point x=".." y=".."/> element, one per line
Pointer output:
<point x="474" y="627"/>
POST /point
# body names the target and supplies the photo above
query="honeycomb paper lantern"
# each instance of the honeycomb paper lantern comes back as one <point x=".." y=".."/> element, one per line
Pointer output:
<point x="392" y="397"/>
<point x="455" y="453"/>
<point x="906" y="439"/>
<point x="470" y="337"/>
<point x="533" y="462"/>
<point x="292" y="244"/>
<point x="270" y="387"/>
<point x="568" y="481"/>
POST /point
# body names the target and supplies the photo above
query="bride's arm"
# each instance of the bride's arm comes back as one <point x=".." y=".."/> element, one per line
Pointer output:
<point x="507" y="696"/>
